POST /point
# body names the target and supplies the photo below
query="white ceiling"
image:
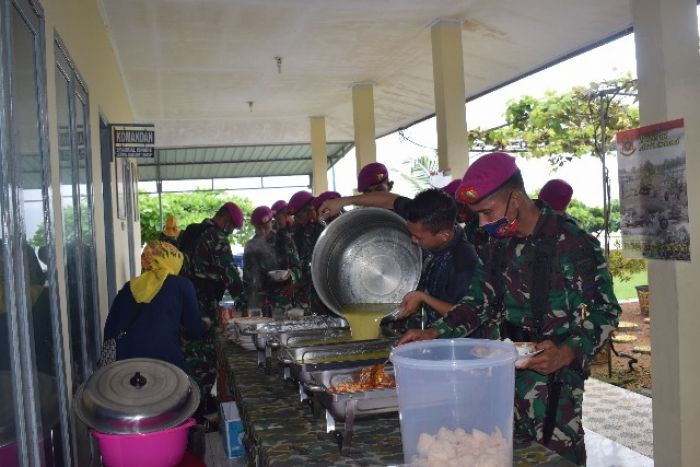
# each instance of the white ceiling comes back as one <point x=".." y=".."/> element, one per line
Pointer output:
<point x="191" y="66"/>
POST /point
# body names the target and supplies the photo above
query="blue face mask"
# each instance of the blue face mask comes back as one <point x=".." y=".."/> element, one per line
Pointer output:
<point x="502" y="228"/>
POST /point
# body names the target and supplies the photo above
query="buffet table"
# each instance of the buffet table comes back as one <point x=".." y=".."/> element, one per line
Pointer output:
<point x="280" y="430"/>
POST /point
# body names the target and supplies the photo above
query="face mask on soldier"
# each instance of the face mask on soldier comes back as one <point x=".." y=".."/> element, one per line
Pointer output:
<point x="503" y="228"/>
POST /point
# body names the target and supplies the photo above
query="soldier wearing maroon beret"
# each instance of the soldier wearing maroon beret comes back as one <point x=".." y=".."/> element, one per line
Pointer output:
<point x="260" y="257"/>
<point x="546" y="281"/>
<point x="320" y="199"/>
<point x="307" y="229"/>
<point x="210" y="266"/>
<point x="374" y="177"/>
<point x="557" y="193"/>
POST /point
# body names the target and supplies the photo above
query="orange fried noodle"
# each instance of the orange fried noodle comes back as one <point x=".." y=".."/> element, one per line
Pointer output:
<point x="372" y="377"/>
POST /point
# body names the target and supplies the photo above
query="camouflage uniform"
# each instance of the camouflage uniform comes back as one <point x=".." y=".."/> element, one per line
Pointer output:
<point x="212" y="271"/>
<point x="276" y="252"/>
<point x="581" y="311"/>
<point x="305" y="237"/>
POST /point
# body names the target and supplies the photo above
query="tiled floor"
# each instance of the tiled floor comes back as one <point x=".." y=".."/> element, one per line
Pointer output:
<point x="214" y="455"/>
<point x="604" y="452"/>
<point x="620" y="415"/>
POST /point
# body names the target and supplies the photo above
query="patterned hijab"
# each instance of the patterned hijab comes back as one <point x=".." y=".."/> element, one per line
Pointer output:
<point x="158" y="260"/>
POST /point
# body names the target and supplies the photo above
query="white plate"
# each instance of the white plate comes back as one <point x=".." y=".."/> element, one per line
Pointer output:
<point x="278" y="274"/>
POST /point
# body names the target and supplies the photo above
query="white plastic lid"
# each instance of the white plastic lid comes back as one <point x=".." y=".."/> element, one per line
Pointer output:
<point x="461" y="353"/>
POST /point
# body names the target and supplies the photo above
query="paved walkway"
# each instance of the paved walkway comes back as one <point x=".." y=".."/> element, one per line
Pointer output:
<point x="621" y="416"/>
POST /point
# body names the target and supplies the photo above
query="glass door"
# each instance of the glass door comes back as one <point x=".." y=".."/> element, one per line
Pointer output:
<point x="77" y="213"/>
<point x="34" y="401"/>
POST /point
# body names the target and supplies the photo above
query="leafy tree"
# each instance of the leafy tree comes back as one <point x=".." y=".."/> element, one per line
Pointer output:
<point x="622" y="268"/>
<point x="190" y="208"/>
<point x="421" y="169"/>
<point x="592" y="219"/>
<point x="565" y="126"/>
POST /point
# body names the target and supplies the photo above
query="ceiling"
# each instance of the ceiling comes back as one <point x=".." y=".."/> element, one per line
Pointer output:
<point x="192" y="66"/>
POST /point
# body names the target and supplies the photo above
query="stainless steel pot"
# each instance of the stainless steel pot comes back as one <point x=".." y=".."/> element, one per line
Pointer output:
<point x="137" y="395"/>
<point x="365" y="256"/>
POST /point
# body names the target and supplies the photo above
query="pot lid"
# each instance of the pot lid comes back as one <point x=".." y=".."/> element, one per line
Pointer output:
<point x="137" y="395"/>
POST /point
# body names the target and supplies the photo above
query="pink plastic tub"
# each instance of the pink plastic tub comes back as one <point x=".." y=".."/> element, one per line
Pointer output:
<point x="158" y="449"/>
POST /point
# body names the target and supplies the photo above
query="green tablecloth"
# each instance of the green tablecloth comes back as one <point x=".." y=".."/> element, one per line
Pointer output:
<point x="281" y="430"/>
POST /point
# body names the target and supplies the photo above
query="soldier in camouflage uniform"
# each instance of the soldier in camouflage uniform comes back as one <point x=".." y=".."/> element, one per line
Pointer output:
<point x="307" y="229"/>
<point x="211" y="269"/>
<point x="546" y="281"/>
<point x="261" y="255"/>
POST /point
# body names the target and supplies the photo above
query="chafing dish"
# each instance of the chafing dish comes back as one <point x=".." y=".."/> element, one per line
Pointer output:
<point x="349" y="406"/>
<point x="299" y="362"/>
<point x="263" y="333"/>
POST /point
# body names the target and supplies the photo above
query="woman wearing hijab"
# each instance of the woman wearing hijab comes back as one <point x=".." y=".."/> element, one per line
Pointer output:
<point x="150" y="309"/>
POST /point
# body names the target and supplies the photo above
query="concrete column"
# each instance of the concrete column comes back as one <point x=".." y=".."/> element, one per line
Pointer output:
<point x="363" y="120"/>
<point x="450" y="113"/>
<point x="318" y="154"/>
<point x="668" y="67"/>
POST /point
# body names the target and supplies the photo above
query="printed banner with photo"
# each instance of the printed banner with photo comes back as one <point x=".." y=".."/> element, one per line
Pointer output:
<point x="654" y="192"/>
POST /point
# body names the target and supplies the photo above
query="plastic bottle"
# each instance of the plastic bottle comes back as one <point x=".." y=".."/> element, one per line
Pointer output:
<point x="267" y="309"/>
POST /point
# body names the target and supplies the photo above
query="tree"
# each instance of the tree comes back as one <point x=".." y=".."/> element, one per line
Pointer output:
<point x="421" y="169"/>
<point x="565" y="126"/>
<point x="190" y="208"/>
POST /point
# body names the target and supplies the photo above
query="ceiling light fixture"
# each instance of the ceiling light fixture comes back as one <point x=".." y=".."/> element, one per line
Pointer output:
<point x="278" y="60"/>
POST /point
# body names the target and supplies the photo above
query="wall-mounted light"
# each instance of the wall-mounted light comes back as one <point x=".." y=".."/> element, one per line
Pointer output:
<point x="250" y="105"/>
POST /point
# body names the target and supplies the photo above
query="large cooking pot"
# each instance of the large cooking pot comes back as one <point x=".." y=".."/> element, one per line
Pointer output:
<point x="139" y="410"/>
<point x="365" y="256"/>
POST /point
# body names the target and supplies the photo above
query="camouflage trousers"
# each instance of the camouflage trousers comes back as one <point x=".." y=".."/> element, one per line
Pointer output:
<point x="200" y="354"/>
<point x="200" y="361"/>
<point x="531" y="394"/>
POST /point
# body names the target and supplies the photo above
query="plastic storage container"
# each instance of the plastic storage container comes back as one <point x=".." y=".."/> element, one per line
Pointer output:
<point x="455" y="385"/>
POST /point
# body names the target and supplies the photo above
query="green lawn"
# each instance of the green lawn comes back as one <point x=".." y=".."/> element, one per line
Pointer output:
<point x="626" y="290"/>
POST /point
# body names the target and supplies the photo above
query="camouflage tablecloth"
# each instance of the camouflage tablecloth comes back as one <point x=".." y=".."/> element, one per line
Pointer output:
<point x="281" y="431"/>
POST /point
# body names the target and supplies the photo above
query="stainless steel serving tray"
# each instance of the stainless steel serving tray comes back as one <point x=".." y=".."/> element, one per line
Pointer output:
<point x="370" y="402"/>
<point x="299" y="362"/>
<point x="349" y="406"/>
<point x="298" y="338"/>
<point x="263" y="332"/>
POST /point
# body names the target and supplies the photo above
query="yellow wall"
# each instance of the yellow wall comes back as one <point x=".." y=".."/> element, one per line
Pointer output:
<point x="80" y="26"/>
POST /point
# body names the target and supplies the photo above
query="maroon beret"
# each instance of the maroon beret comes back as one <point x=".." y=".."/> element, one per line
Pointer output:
<point x="278" y="206"/>
<point x="318" y="201"/>
<point x="486" y="175"/>
<point x="557" y="193"/>
<point x="298" y="201"/>
<point x="236" y="214"/>
<point x="451" y="188"/>
<point x="371" y="174"/>
<point x="261" y="215"/>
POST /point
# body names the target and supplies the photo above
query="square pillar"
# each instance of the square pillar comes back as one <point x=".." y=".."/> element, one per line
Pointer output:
<point x="450" y="113"/>
<point x="318" y="154"/>
<point x="363" y="120"/>
<point x="668" y="67"/>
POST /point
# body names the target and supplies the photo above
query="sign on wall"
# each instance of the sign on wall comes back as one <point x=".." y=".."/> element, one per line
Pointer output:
<point x="133" y="140"/>
<point x="654" y="192"/>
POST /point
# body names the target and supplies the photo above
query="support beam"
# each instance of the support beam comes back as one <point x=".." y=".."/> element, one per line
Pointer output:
<point x="668" y="67"/>
<point x="363" y="120"/>
<point x="450" y="113"/>
<point x="318" y="154"/>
